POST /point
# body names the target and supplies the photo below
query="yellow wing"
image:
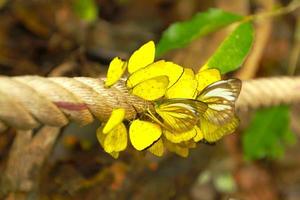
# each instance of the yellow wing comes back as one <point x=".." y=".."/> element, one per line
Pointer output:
<point x="176" y="148"/>
<point x="152" y="89"/>
<point x="212" y="132"/>
<point x="159" y="68"/>
<point x="185" y="87"/>
<point x="141" y="57"/>
<point x="157" y="148"/>
<point x="180" y="137"/>
<point x="115" y="118"/>
<point x="178" y="115"/>
<point x="207" y="77"/>
<point x="115" y="71"/>
<point x="142" y="134"/>
<point x="115" y="140"/>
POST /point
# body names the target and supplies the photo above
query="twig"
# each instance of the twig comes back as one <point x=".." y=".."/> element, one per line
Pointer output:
<point x="263" y="30"/>
<point x="295" y="4"/>
<point x="295" y="52"/>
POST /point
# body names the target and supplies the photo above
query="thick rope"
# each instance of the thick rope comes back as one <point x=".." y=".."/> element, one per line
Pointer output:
<point x="266" y="92"/>
<point x="27" y="101"/>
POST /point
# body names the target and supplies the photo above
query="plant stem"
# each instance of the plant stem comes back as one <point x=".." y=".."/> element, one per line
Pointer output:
<point x="295" y="4"/>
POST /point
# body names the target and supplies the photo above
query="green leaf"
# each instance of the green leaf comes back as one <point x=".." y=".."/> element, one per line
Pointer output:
<point x="233" y="50"/>
<point x="268" y="134"/>
<point x="86" y="9"/>
<point x="180" y="34"/>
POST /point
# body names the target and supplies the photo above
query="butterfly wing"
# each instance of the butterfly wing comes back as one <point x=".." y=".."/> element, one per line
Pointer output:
<point x="142" y="57"/>
<point x="219" y="119"/>
<point x="178" y="115"/>
<point x="220" y="98"/>
<point x="115" y="71"/>
<point x="151" y="89"/>
<point x="212" y="132"/>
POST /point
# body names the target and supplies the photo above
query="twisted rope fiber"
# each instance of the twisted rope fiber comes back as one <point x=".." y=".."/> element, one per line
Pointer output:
<point x="28" y="101"/>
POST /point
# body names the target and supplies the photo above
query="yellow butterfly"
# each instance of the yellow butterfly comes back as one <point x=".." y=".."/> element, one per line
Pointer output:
<point x="177" y="115"/>
<point x="213" y="111"/>
<point x="138" y="60"/>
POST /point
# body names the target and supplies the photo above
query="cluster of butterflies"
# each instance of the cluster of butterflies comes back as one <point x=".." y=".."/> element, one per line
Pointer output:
<point x="178" y="106"/>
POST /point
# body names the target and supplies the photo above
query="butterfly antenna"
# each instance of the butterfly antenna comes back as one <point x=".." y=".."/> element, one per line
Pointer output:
<point x="137" y="115"/>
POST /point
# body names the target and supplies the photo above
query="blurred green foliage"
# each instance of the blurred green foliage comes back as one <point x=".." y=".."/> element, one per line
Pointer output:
<point x="86" y="9"/>
<point x="233" y="50"/>
<point x="268" y="134"/>
<point x="180" y="34"/>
